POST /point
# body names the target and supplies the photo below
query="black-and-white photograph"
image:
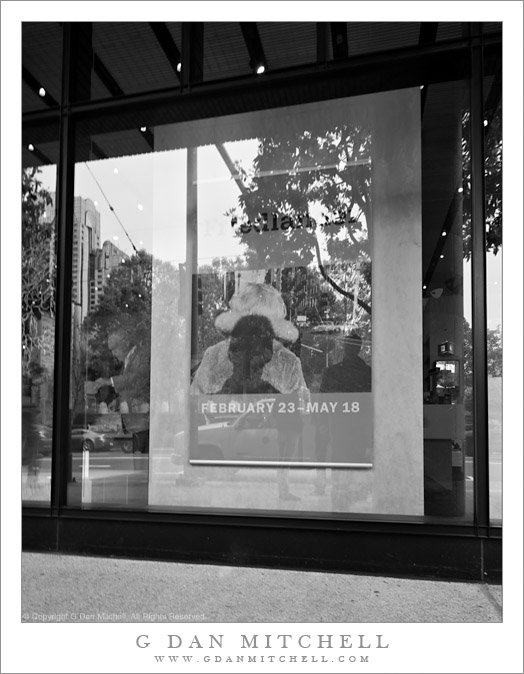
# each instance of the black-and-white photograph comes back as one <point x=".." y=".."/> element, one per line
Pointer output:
<point x="262" y="388"/>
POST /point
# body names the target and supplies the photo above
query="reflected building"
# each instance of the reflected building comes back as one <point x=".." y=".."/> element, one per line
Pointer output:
<point x="93" y="261"/>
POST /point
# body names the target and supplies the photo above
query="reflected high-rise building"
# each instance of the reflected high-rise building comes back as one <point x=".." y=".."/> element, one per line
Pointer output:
<point x="93" y="261"/>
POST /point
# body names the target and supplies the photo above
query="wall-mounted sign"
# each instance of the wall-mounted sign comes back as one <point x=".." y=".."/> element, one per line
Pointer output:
<point x="446" y="348"/>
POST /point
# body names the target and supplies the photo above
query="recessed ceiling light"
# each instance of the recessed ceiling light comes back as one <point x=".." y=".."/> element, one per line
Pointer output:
<point x="42" y="92"/>
<point x="178" y="67"/>
<point x="143" y="129"/>
<point x="30" y="147"/>
<point x="261" y="69"/>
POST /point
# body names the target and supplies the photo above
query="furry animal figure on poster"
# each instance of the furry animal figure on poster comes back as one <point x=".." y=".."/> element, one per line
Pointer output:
<point x="253" y="357"/>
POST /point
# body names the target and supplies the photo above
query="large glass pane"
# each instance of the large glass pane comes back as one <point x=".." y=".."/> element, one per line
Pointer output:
<point x="446" y="287"/>
<point x="111" y="330"/>
<point x="493" y="186"/>
<point x="38" y="316"/>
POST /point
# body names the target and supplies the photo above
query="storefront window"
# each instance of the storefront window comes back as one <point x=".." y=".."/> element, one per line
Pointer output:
<point x="38" y="328"/>
<point x="272" y="311"/>
<point x="231" y="270"/>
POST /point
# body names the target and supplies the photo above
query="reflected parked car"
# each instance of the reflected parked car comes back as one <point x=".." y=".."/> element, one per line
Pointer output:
<point x="38" y="441"/>
<point x="326" y="326"/>
<point x="85" y="439"/>
<point x="250" y="437"/>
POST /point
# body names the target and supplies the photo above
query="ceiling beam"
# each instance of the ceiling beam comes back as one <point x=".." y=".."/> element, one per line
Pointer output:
<point x="105" y="76"/>
<point x="97" y="151"/>
<point x="149" y="137"/>
<point x="168" y="45"/>
<point x="41" y="156"/>
<point x="253" y="44"/>
<point x="35" y="86"/>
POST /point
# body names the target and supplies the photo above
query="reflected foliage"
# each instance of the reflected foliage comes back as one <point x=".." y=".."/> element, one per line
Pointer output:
<point x="494" y="348"/>
<point x="125" y="311"/>
<point x="324" y="175"/>
<point x="38" y="274"/>
<point x="492" y="182"/>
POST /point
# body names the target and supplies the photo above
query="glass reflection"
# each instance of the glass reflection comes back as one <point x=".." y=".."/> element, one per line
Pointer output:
<point x="38" y="329"/>
<point x="493" y="187"/>
<point x="111" y="335"/>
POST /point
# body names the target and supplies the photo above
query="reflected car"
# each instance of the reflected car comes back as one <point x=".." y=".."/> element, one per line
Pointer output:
<point x="326" y="326"/>
<point x="85" y="439"/>
<point x="250" y="437"/>
<point x="36" y="442"/>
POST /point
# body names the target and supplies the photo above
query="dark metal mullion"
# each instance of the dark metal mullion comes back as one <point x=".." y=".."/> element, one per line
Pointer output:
<point x="479" y="311"/>
<point x="192" y="53"/>
<point x="339" y="39"/>
<point x="64" y="218"/>
<point x="322" y="42"/>
<point x="427" y="35"/>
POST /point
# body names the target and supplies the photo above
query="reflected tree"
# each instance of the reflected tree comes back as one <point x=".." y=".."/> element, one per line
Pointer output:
<point x="492" y="183"/>
<point x="124" y="310"/>
<point x="38" y="277"/>
<point x="315" y="188"/>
